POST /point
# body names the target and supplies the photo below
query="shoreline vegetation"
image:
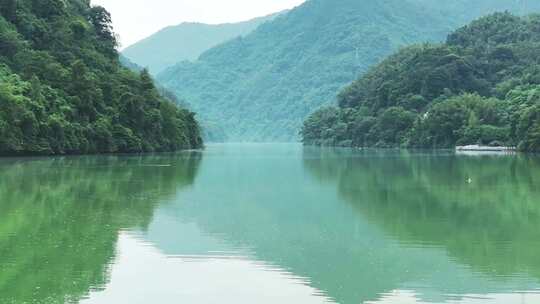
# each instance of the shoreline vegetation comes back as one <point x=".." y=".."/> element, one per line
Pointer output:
<point x="481" y="87"/>
<point x="63" y="90"/>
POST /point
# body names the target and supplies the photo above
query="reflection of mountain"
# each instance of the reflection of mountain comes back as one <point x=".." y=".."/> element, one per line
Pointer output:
<point x="489" y="222"/>
<point x="262" y="198"/>
<point x="60" y="218"/>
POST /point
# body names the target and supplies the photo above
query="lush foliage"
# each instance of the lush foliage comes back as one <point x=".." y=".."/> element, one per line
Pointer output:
<point x="210" y="132"/>
<point x="262" y="86"/>
<point x="63" y="91"/>
<point x="481" y="87"/>
<point x="186" y="41"/>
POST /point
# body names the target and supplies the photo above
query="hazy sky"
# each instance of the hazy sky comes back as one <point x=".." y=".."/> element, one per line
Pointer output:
<point x="137" y="19"/>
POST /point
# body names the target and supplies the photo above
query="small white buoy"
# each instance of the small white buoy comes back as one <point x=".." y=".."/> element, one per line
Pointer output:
<point x="469" y="181"/>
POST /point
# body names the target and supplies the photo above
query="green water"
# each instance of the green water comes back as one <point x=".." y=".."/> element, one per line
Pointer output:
<point x="271" y="224"/>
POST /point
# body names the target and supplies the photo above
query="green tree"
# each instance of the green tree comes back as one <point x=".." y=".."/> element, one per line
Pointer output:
<point x="480" y="87"/>
<point x="63" y="91"/>
<point x="8" y="9"/>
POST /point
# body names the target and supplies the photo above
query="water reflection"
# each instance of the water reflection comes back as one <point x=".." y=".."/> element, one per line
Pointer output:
<point x="485" y="211"/>
<point x="272" y="224"/>
<point x="145" y="274"/>
<point x="361" y="226"/>
<point x="60" y="218"/>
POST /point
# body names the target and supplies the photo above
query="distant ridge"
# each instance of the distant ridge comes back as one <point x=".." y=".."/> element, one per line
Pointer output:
<point x="186" y="41"/>
<point x="262" y="87"/>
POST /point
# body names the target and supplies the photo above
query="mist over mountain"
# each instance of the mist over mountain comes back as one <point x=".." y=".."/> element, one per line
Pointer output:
<point x="262" y="86"/>
<point x="186" y="41"/>
<point x="127" y="63"/>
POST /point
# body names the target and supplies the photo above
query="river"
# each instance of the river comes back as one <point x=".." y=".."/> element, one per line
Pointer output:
<point x="271" y="223"/>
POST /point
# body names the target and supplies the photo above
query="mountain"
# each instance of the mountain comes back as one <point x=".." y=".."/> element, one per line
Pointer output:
<point x="210" y="132"/>
<point x="63" y="90"/>
<point x="186" y="41"/>
<point x="127" y="63"/>
<point x="480" y="87"/>
<point x="262" y="86"/>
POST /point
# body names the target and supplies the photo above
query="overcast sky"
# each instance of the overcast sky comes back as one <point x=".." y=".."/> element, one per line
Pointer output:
<point x="137" y="19"/>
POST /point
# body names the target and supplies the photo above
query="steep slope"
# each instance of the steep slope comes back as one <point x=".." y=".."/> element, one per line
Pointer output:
<point x="186" y="41"/>
<point x="480" y="87"/>
<point x="63" y="91"/>
<point x="210" y="132"/>
<point x="127" y="63"/>
<point x="262" y="86"/>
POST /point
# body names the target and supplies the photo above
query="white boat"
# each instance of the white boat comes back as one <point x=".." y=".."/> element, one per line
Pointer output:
<point x="478" y="148"/>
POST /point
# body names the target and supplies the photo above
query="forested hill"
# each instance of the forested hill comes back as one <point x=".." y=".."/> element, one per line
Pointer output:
<point x="186" y="41"/>
<point x="63" y="91"/>
<point x="262" y="86"/>
<point x="481" y="87"/>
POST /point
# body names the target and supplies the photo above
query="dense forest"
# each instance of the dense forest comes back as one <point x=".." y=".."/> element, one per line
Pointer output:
<point x="63" y="90"/>
<point x="261" y="87"/>
<point x="168" y="46"/>
<point x="480" y="87"/>
<point x="209" y="132"/>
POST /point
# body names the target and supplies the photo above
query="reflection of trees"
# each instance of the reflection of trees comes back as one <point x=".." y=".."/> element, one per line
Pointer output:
<point x="287" y="219"/>
<point x="60" y="218"/>
<point x="491" y="223"/>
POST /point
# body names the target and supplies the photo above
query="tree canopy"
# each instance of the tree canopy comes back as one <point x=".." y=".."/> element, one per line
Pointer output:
<point x="63" y="91"/>
<point x="480" y="87"/>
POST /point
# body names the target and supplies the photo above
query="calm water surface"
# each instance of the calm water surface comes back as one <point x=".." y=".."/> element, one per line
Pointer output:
<point x="271" y="224"/>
